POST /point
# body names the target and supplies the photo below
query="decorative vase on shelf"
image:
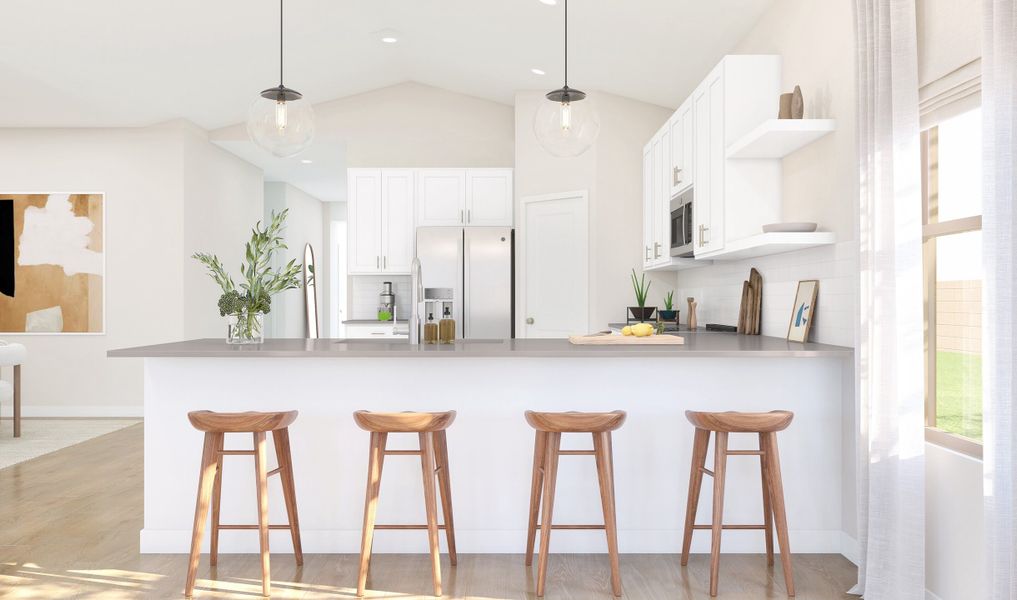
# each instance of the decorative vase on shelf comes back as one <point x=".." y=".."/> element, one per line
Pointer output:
<point x="669" y="315"/>
<point x="246" y="328"/>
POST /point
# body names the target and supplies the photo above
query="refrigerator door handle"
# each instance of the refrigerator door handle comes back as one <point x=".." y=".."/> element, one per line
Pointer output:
<point x="466" y="285"/>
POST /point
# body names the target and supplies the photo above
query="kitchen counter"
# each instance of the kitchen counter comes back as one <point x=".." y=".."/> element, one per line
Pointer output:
<point x="697" y="344"/>
<point x="490" y="384"/>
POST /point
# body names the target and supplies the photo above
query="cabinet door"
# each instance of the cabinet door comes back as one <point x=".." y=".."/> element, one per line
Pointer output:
<point x="364" y="217"/>
<point x="647" y="204"/>
<point x="441" y="197"/>
<point x="708" y="206"/>
<point x="674" y="175"/>
<point x="658" y="198"/>
<point x="489" y="197"/>
<point x="662" y="209"/>
<point x="396" y="220"/>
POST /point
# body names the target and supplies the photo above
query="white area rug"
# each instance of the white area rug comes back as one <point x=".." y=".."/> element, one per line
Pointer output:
<point x="42" y="436"/>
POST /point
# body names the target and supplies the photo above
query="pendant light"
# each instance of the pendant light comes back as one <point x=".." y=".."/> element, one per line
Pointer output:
<point x="280" y="121"/>
<point x="564" y="125"/>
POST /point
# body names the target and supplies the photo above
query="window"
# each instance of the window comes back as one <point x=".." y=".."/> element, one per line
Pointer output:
<point x="952" y="188"/>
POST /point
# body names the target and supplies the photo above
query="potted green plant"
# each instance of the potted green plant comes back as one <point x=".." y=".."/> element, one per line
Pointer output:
<point x="641" y="312"/>
<point x="669" y="313"/>
<point x="247" y="304"/>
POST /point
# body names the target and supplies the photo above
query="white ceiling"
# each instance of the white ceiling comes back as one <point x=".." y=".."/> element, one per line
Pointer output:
<point x="134" y="63"/>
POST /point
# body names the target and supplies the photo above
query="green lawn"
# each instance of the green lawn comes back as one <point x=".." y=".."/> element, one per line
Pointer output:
<point x="959" y="393"/>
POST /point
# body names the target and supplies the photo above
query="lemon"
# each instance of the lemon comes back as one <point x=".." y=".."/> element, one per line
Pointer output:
<point x="642" y="330"/>
<point x="626" y="330"/>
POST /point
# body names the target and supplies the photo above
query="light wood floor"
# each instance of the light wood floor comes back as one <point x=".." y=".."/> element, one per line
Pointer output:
<point x="69" y="525"/>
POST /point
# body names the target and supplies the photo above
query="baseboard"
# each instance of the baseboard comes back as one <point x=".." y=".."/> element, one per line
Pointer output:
<point x="75" y="411"/>
<point x="849" y="548"/>
<point x="930" y="596"/>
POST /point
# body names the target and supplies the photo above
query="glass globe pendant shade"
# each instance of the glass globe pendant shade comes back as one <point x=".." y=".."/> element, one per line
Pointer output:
<point x="566" y="125"/>
<point x="281" y="122"/>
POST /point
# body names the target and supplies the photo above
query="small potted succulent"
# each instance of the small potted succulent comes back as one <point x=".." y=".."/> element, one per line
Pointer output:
<point x="641" y="312"/>
<point x="669" y="313"/>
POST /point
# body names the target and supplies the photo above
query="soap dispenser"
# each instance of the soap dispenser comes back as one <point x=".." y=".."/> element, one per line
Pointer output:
<point x="430" y="330"/>
<point x="447" y="326"/>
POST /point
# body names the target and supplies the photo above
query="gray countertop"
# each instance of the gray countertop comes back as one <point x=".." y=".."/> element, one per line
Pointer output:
<point x="710" y="345"/>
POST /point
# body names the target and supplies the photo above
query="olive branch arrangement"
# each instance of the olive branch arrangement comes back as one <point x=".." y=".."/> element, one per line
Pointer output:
<point x="253" y="295"/>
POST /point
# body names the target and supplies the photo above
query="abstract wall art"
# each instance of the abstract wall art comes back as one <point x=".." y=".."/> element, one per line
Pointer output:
<point x="804" y="311"/>
<point x="52" y="263"/>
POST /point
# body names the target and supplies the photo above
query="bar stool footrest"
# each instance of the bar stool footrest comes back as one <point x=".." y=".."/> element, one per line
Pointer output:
<point x="252" y="527"/>
<point x="730" y="526"/>
<point x="404" y="527"/>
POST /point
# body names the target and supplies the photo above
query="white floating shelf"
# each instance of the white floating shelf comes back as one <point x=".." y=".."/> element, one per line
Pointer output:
<point x="776" y="138"/>
<point x="681" y="264"/>
<point x="771" y="243"/>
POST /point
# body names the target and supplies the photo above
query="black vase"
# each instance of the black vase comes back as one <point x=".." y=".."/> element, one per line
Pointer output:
<point x="642" y="313"/>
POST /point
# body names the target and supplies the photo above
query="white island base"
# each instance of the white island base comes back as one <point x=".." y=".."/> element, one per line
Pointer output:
<point x="491" y="446"/>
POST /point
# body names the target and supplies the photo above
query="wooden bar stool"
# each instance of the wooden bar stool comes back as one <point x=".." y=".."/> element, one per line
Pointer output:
<point x="546" y="450"/>
<point x="216" y="426"/>
<point x="430" y="428"/>
<point x="766" y="425"/>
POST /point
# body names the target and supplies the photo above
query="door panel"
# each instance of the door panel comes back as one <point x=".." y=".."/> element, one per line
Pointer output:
<point x="489" y="197"/>
<point x="487" y="283"/>
<point x="364" y="220"/>
<point x="555" y="266"/>
<point x="441" y="197"/>
<point x="397" y="220"/>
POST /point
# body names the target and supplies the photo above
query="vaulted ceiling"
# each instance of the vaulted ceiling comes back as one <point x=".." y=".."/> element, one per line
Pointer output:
<point x="134" y="63"/>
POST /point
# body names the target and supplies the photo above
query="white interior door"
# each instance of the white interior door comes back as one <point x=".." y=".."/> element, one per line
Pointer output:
<point x="554" y="266"/>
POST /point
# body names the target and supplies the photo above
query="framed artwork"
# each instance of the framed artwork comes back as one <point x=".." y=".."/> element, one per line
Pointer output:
<point x="52" y="263"/>
<point x="803" y="311"/>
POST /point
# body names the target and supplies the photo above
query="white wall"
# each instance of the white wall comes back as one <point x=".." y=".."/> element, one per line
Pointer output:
<point x="611" y="172"/>
<point x="143" y="173"/>
<point x="954" y="531"/>
<point x="304" y="225"/>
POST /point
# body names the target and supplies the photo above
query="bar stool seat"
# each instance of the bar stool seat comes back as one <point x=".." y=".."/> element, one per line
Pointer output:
<point x="430" y="428"/>
<point x="216" y="425"/>
<point x="549" y="427"/>
<point x="720" y="424"/>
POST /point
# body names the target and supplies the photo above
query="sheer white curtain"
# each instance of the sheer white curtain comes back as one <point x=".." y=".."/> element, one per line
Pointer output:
<point x="889" y="357"/>
<point x="999" y="325"/>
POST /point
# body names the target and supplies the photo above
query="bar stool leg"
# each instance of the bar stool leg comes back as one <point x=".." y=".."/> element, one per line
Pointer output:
<point x="261" y="468"/>
<point x="375" y="463"/>
<point x="17" y="401"/>
<point x="550" y="478"/>
<point x="430" y="507"/>
<point x="719" y="471"/>
<point x="537" y="481"/>
<point x="767" y="510"/>
<point x="445" y="488"/>
<point x="281" y="438"/>
<point x="779" y="512"/>
<point x="213" y="554"/>
<point x="605" y="473"/>
<point x="699" y="449"/>
<point x="205" y="481"/>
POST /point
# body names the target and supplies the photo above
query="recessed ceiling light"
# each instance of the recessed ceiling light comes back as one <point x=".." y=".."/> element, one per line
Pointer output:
<point x="549" y="2"/>
<point x="387" y="36"/>
<point x="389" y="39"/>
<point x="306" y="161"/>
<point x="537" y="71"/>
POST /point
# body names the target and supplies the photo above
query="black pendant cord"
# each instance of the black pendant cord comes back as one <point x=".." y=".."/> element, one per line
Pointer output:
<point x="281" y="43"/>
<point x="566" y="43"/>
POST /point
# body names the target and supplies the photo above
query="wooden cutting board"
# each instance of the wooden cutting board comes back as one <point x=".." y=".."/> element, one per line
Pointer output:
<point x="756" y="281"/>
<point x="622" y="340"/>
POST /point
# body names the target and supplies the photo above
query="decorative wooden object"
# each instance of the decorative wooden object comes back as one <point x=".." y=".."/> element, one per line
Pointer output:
<point x="692" y="313"/>
<point x="546" y="450"/>
<point x="766" y="426"/>
<point x="743" y="307"/>
<point x="216" y="426"/>
<point x="784" y="112"/>
<point x="797" y="104"/>
<point x="430" y="429"/>
<point x="750" y="310"/>
<point x="626" y="340"/>
<point x="17" y="401"/>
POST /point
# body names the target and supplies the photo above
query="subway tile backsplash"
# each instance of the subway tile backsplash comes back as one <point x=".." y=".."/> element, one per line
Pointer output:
<point x="718" y="290"/>
<point x="364" y="290"/>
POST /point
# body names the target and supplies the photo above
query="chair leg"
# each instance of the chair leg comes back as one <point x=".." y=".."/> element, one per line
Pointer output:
<point x="605" y="474"/>
<point x="375" y="463"/>
<point x="445" y="489"/>
<point x="767" y="511"/>
<point x="261" y="468"/>
<point x="430" y="507"/>
<point x="205" y="481"/>
<point x="213" y="554"/>
<point x="699" y="448"/>
<point x="550" y="477"/>
<point x="17" y="401"/>
<point x="537" y="481"/>
<point x="779" y="512"/>
<point x="719" y="471"/>
<point x="283" y="458"/>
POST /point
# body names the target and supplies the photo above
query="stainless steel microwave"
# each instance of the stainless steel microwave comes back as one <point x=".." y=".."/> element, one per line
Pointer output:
<point x="682" y="224"/>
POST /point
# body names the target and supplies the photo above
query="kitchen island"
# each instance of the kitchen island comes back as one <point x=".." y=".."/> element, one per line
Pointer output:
<point x="490" y="383"/>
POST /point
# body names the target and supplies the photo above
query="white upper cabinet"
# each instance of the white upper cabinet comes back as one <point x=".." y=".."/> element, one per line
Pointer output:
<point x="380" y="216"/>
<point x="682" y="127"/>
<point x="648" y="214"/>
<point x="396" y="220"/>
<point x="441" y="197"/>
<point x="489" y="197"/>
<point x="708" y="203"/>
<point x="364" y="217"/>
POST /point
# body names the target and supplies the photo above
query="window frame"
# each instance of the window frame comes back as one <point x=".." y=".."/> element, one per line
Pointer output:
<point x="933" y="228"/>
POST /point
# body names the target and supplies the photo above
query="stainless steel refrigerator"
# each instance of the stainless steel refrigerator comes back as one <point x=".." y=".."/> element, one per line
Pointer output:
<point x="476" y="263"/>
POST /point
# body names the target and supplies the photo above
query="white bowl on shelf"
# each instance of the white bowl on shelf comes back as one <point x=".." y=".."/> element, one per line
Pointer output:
<point x="789" y="228"/>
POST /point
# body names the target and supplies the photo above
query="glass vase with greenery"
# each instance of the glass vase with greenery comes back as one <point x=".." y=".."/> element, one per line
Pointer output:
<point x="249" y="301"/>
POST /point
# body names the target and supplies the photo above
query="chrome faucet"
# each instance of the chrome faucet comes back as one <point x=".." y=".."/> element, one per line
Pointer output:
<point x="416" y="297"/>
